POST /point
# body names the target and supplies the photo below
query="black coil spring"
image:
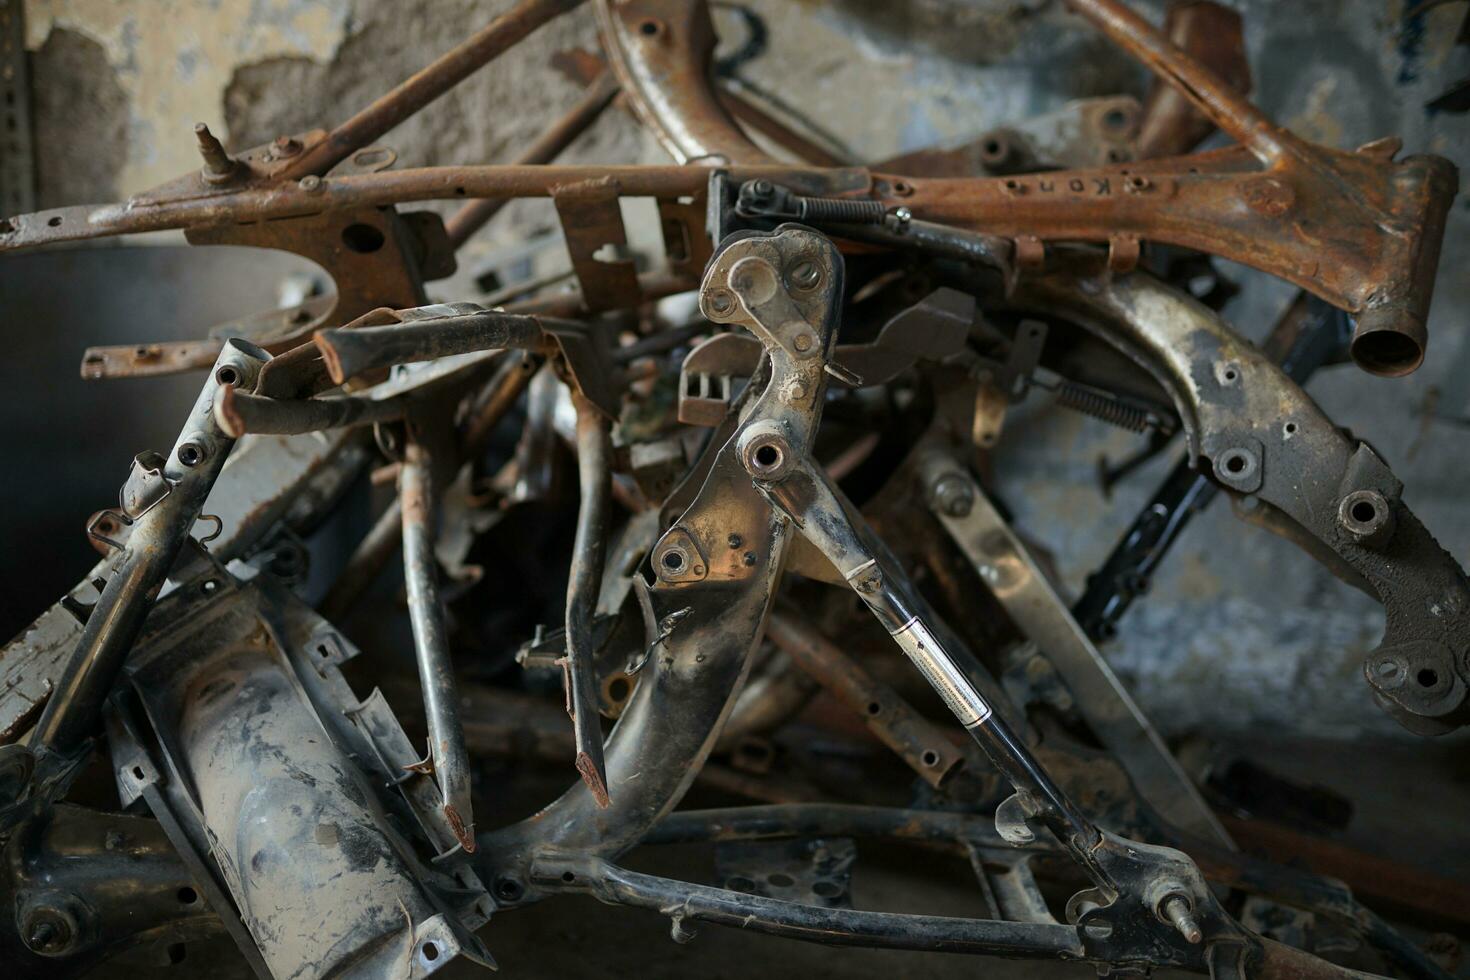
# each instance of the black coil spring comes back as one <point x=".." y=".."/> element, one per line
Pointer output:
<point x="842" y="210"/>
<point x="1101" y="406"/>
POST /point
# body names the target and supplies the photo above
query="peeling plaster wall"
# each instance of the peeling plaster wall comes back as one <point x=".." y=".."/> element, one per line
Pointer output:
<point x="171" y="59"/>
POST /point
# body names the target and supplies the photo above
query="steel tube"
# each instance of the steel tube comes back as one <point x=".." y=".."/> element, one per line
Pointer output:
<point x="157" y="536"/>
<point x="547" y="147"/>
<point x="431" y="644"/>
<point x="430" y="82"/>
<point x="810" y="923"/>
<point x="1211" y="94"/>
<point x="348" y="353"/>
<point x="389" y="187"/>
<point x="239" y="413"/>
<point x="584" y="580"/>
<point x="376" y="548"/>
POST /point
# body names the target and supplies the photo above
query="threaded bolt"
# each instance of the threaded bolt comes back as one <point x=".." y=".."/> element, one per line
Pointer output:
<point x="1177" y="909"/>
<point x="953" y="495"/>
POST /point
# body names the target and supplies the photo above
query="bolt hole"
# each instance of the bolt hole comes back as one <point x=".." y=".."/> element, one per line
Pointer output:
<point x="739" y="883"/>
<point x="826" y="889"/>
<point x="190" y="454"/>
<point x="617" y="691"/>
<point x="767" y="456"/>
<point x="55" y="222"/>
<point x="361" y="238"/>
<point x="780" y="880"/>
<point x="673" y="561"/>
<point x="187" y="896"/>
<point x="930" y="758"/>
<point x="431" y="951"/>
<point x="1291" y="428"/>
<point x="176" y="953"/>
<point x="227" y="375"/>
<point x="459" y="192"/>
<point x="1235" y="464"/>
<point x="1427" y="677"/>
<point x="650" y="27"/>
<point x="874" y="708"/>
<point x="568" y="877"/>
<point x="209" y="586"/>
<point x="509" y="889"/>
<point x="1363" y="512"/>
<point x="1230" y="375"/>
<point x="137" y="772"/>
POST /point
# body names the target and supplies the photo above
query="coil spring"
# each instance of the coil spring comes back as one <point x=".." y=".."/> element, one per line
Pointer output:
<point x="842" y="210"/>
<point x="1080" y="398"/>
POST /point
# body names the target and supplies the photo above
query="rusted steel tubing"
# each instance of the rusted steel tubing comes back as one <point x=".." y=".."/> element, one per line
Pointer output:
<point x="239" y="413"/>
<point x="1376" y="225"/>
<point x="505" y="390"/>
<point x="584" y="580"/>
<point x="430" y="82"/>
<point x="949" y="830"/>
<point x="287" y="199"/>
<point x="1225" y="107"/>
<point x="753" y="823"/>
<point x="1212" y="34"/>
<point x="811" y="923"/>
<point x="912" y="737"/>
<point x="158" y="534"/>
<point x="447" y="752"/>
<point x="376" y="548"/>
<point x="752" y="116"/>
<point x="547" y="147"/>
<point x="1408" y="209"/>
<point x="349" y="352"/>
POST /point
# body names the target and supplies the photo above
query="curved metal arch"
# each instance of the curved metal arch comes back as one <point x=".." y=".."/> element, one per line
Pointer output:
<point x="1268" y="443"/>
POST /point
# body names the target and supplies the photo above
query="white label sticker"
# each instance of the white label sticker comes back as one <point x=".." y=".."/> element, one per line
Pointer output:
<point x="940" y="671"/>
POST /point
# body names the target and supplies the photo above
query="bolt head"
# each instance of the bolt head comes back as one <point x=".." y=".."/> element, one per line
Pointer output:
<point x="806" y="274"/>
<point x="721" y="302"/>
<point x="310" y="183"/>
<point x="953" y="495"/>
<point x="803" y="342"/>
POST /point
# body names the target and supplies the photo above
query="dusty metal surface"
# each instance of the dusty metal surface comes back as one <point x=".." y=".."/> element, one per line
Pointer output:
<point x="805" y="398"/>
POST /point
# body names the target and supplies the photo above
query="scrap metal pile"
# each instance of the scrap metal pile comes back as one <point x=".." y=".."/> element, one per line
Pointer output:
<point x="782" y="435"/>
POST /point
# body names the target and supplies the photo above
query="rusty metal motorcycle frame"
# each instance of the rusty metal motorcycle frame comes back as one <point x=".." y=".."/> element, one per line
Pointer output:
<point x="168" y="673"/>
